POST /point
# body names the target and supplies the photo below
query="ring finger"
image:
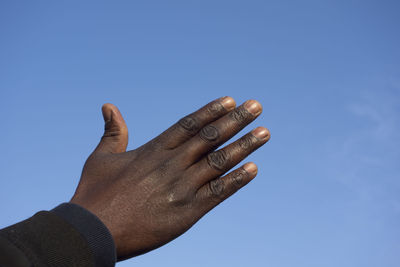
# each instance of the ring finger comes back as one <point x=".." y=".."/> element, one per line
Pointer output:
<point x="218" y="162"/>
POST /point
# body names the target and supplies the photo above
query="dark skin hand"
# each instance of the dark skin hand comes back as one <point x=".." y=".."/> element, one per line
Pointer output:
<point x="150" y="195"/>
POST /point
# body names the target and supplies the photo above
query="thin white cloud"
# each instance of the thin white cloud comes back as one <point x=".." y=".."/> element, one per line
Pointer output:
<point x="366" y="160"/>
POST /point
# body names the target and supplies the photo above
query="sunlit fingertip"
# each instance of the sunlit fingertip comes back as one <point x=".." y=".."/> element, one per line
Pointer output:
<point x="228" y="102"/>
<point x="253" y="106"/>
<point x="251" y="168"/>
<point x="261" y="133"/>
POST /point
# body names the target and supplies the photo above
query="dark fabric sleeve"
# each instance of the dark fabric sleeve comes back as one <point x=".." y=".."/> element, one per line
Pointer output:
<point x="69" y="235"/>
<point x="10" y="255"/>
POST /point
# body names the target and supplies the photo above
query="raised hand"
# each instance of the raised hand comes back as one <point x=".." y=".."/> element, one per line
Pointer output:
<point x="151" y="195"/>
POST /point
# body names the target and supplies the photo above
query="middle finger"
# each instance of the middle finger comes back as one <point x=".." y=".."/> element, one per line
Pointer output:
<point x="218" y="132"/>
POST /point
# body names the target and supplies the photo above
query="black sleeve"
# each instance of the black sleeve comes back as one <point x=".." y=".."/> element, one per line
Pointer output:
<point x="68" y="235"/>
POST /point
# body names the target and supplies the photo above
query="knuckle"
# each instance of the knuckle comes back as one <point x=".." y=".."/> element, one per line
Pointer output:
<point x="218" y="160"/>
<point x="246" y="142"/>
<point x="216" y="187"/>
<point x="209" y="133"/>
<point x="189" y="123"/>
<point x="175" y="198"/>
<point x="111" y="129"/>
<point x="240" y="114"/>
<point x="214" y="109"/>
<point x="238" y="177"/>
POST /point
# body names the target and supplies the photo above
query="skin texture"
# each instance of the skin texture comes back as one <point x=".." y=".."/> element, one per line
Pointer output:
<point x="150" y="195"/>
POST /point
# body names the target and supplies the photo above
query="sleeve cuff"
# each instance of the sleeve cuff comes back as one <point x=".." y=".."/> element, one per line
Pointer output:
<point x="97" y="235"/>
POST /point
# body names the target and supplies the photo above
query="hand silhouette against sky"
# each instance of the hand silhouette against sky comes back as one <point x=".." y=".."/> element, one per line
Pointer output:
<point x="150" y="195"/>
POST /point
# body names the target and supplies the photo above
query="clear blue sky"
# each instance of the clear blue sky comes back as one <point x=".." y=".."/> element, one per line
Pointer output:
<point x="326" y="72"/>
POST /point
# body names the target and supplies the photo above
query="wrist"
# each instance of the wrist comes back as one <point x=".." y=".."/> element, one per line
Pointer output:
<point x="92" y="229"/>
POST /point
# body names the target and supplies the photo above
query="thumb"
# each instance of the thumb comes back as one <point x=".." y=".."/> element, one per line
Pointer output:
<point x="115" y="137"/>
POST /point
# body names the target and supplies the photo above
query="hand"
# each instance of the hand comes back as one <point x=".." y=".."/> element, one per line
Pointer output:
<point x="151" y="195"/>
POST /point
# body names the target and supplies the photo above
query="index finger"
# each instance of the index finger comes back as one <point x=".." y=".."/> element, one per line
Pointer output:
<point x="191" y="124"/>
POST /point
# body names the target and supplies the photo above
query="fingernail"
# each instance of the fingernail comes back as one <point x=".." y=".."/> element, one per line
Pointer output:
<point x="107" y="112"/>
<point x="228" y="102"/>
<point x="250" y="168"/>
<point x="260" y="132"/>
<point x="253" y="107"/>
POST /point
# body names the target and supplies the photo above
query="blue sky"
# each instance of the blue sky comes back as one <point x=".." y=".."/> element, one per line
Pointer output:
<point x="326" y="72"/>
